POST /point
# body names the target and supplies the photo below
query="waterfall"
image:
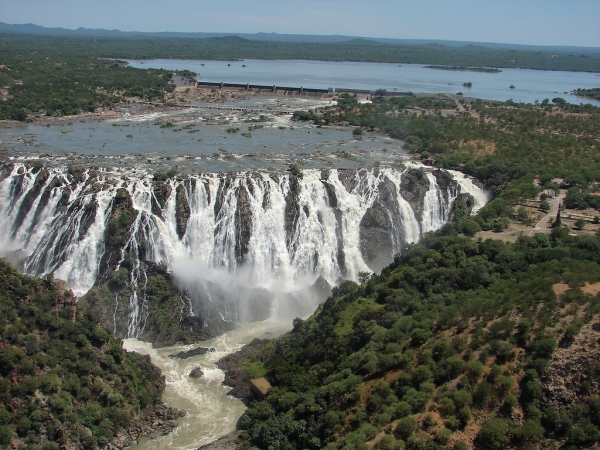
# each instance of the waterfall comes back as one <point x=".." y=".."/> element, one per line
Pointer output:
<point x="274" y="231"/>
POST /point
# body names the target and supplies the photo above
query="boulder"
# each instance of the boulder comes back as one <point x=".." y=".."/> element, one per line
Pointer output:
<point x="198" y="351"/>
<point x="196" y="372"/>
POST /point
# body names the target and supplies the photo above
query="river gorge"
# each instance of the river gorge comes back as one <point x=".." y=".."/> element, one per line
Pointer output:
<point x="171" y="246"/>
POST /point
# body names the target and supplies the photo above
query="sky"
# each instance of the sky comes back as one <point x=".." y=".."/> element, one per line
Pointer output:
<point x="534" y="22"/>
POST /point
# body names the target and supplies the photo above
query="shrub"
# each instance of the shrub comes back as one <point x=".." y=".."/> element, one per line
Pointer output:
<point x="464" y="416"/>
<point x="5" y="417"/>
<point x="50" y="383"/>
<point x="5" y="435"/>
<point x="419" y="336"/>
<point x="545" y="347"/>
<point x="443" y="435"/>
<point x="23" y="426"/>
<point x="387" y="442"/>
<point x="403" y="409"/>
<point x="405" y="427"/>
<point x="532" y="431"/>
<point x="494" y="433"/>
<point x="294" y="169"/>
<point x="462" y="399"/>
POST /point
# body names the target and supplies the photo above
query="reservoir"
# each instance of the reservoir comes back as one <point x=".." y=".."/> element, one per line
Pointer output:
<point x="529" y="85"/>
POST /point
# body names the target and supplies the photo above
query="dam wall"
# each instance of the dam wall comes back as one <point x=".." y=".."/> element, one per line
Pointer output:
<point x="289" y="90"/>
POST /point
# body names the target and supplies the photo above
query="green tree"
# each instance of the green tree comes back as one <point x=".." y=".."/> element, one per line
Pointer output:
<point x="405" y="427"/>
<point x="494" y="433"/>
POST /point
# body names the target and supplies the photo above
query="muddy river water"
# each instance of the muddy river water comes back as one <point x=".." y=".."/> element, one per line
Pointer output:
<point x="211" y="413"/>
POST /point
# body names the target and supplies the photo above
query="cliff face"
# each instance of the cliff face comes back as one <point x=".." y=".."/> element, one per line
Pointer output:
<point x="413" y="188"/>
<point x="378" y="238"/>
<point x="182" y="211"/>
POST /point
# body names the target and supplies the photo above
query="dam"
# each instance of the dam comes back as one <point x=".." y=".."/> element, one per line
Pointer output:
<point x="258" y="89"/>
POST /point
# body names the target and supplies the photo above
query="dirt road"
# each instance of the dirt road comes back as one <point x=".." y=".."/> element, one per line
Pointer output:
<point x="543" y="226"/>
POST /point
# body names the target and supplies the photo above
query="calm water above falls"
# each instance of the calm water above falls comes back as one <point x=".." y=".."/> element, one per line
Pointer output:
<point x="530" y="85"/>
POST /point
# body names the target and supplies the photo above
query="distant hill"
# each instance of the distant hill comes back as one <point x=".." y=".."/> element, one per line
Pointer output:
<point x="30" y="28"/>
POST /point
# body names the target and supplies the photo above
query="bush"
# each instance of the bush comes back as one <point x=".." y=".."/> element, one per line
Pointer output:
<point x="5" y="435"/>
<point x="403" y="409"/>
<point x="387" y="442"/>
<point x="470" y="228"/>
<point x="23" y="426"/>
<point x="464" y="416"/>
<point x="5" y="417"/>
<point x="443" y="435"/>
<point x="294" y="169"/>
<point x="50" y="383"/>
<point x="405" y="427"/>
<point x="532" y="431"/>
<point x="531" y="391"/>
<point x="358" y="131"/>
<point x="419" y="336"/>
<point x="494" y="433"/>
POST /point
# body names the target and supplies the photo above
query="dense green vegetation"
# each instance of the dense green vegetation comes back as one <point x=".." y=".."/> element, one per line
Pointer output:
<point x="453" y="331"/>
<point x="591" y="93"/>
<point x="63" y="378"/>
<point x="234" y="48"/>
<point x="53" y="81"/>
<point x="504" y="145"/>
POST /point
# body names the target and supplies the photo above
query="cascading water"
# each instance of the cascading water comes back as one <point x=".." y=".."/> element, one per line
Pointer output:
<point x="218" y="231"/>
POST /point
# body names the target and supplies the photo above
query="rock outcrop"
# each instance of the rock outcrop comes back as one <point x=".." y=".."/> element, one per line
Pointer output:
<point x="243" y="224"/>
<point x="162" y="192"/>
<point x="157" y="421"/>
<point x="377" y="233"/>
<point x="182" y="211"/>
<point x="196" y="373"/>
<point x="413" y="187"/>
<point x="198" y="351"/>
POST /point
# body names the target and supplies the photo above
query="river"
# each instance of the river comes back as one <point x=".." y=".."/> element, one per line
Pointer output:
<point x="530" y="85"/>
<point x="201" y="133"/>
<point x="211" y="413"/>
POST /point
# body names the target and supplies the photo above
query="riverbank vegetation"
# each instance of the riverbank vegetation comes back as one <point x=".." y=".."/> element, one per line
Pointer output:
<point x="590" y="93"/>
<point x="457" y="344"/>
<point x="64" y="380"/>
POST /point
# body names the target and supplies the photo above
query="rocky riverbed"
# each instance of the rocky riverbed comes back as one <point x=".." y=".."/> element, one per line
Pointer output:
<point x="239" y="381"/>
<point x="159" y="421"/>
<point x="211" y="411"/>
